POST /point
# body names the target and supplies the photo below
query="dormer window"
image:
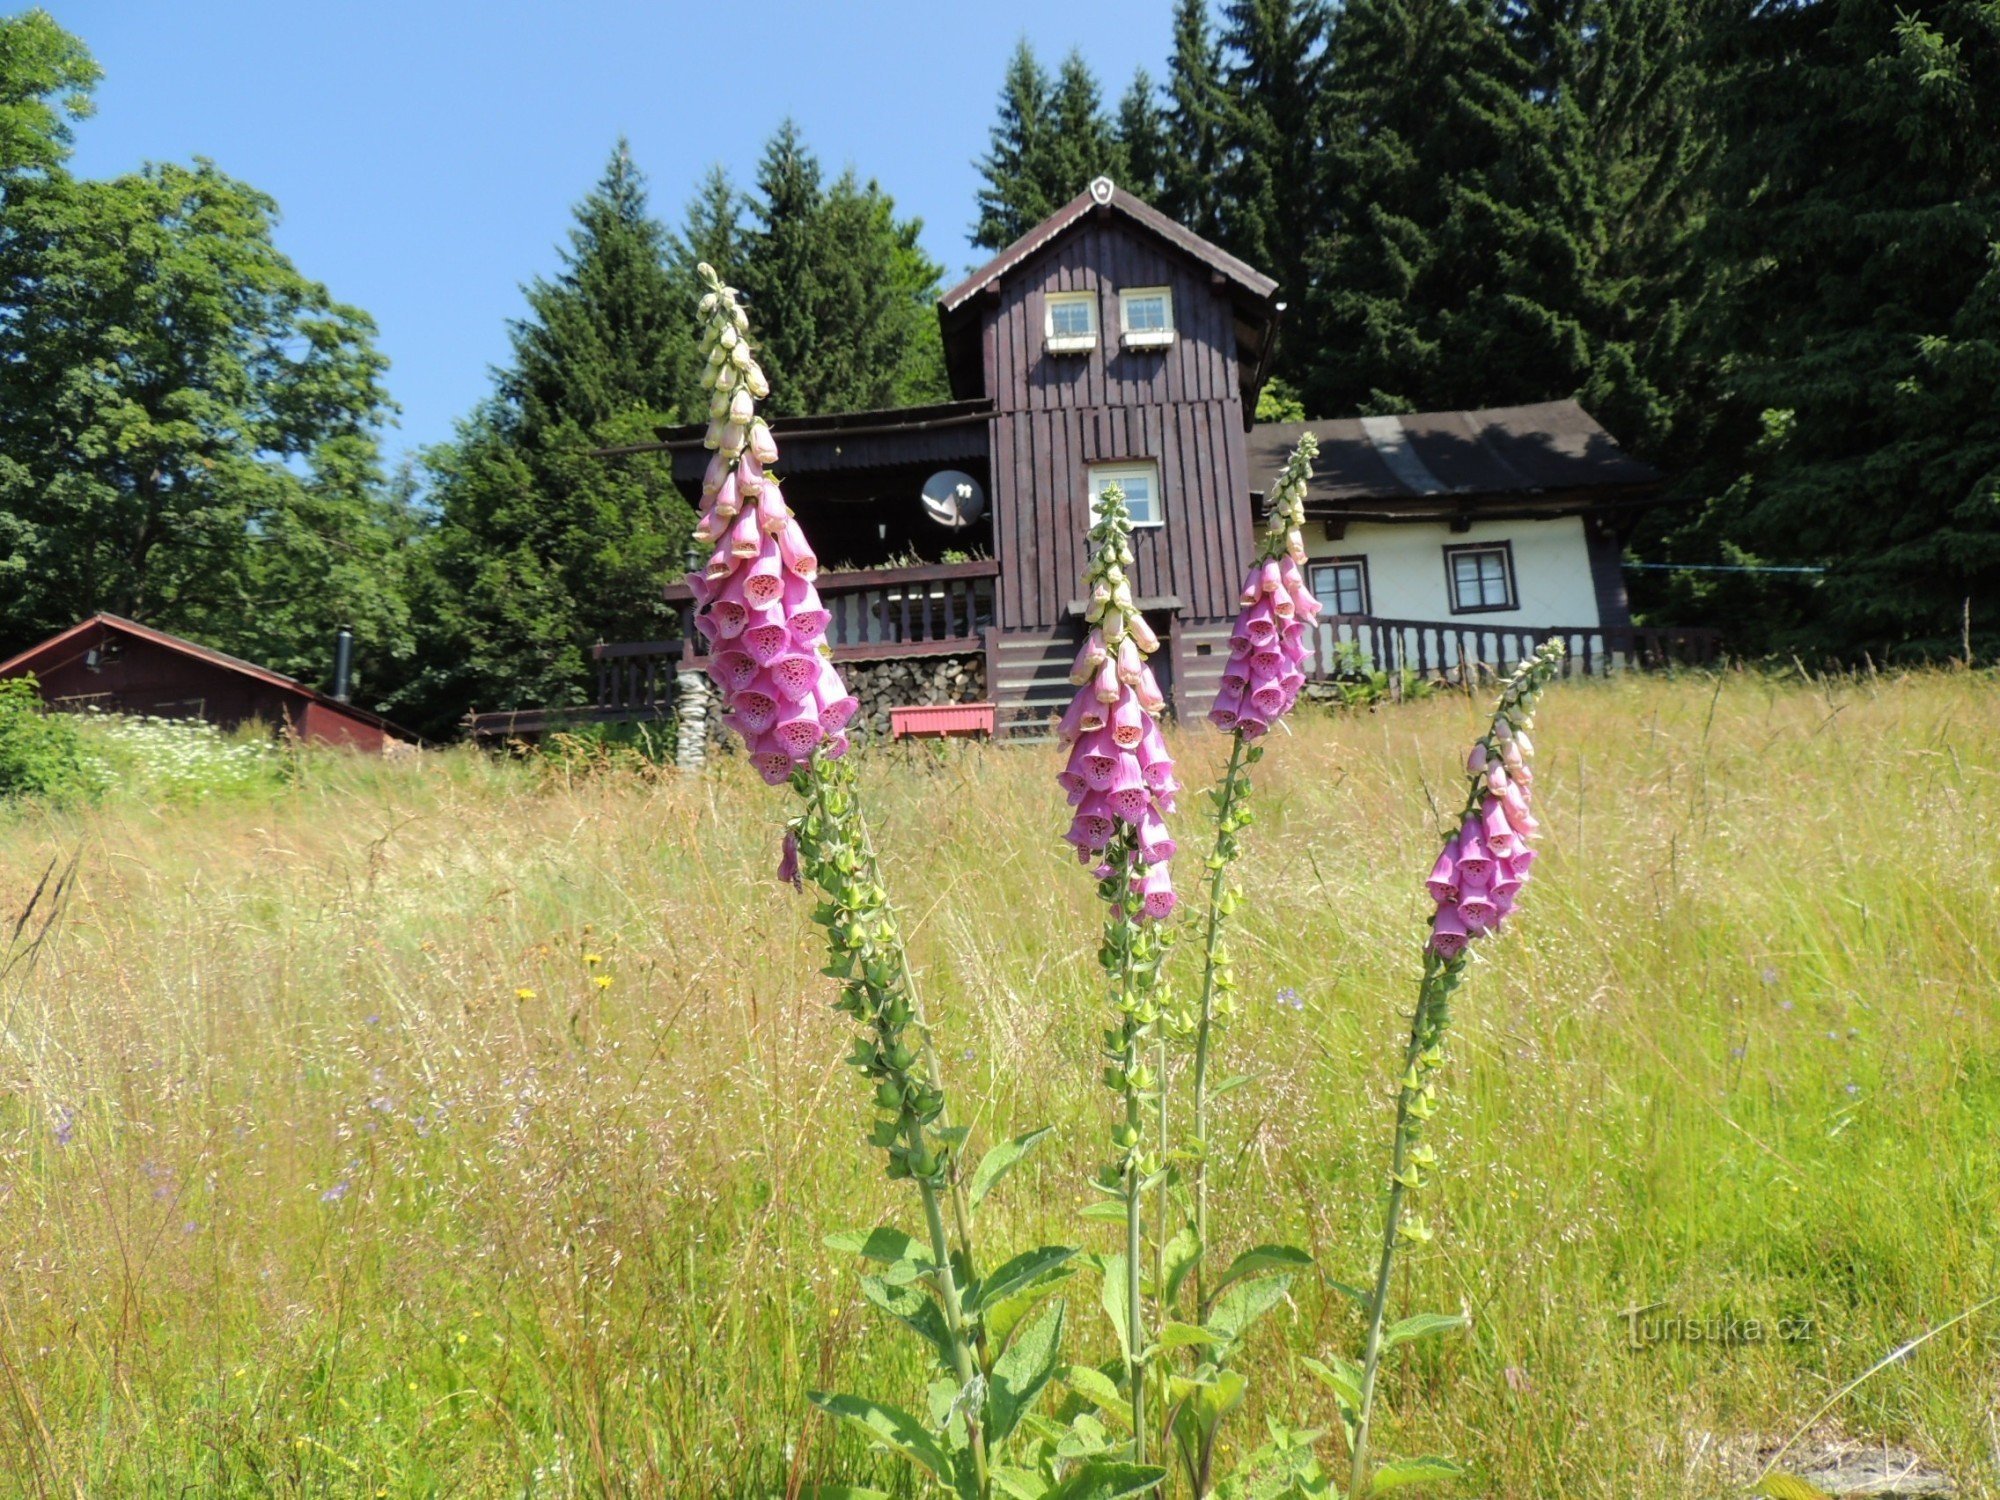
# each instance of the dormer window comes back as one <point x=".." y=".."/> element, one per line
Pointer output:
<point x="1072" y="322"/>
<point x="1146" y="316"/>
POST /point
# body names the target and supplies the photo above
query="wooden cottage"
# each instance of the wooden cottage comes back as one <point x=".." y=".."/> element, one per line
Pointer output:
<point x="1111" y="344"/>
<point x="113" y="665"/>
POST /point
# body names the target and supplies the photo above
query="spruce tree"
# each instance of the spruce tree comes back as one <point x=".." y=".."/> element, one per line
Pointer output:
<point x="1275" y="77"/>
<point x="544" y="546"/>
<point x="1190" y="190"/>
<point x="1512" y="189"/>
<point x="1142" y="139"/>
<point x="609" y="334"/>
<point x="1852" y="330"/>
<point x="1051" y="138"/>
<point x="843" y="293"/>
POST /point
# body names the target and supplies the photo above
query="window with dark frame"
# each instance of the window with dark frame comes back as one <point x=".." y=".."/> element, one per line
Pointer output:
<point x="1479" y="577"/>
<point x="1340" y="584"/>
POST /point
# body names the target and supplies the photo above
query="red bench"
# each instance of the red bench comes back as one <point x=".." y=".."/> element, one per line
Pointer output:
<point x="945" y="720"/>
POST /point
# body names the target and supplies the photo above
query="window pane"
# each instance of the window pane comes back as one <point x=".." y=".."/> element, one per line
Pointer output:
<point x="1070" y="318"/>
<point x="1338" y="588"/>
<point x="1146" y="314"/>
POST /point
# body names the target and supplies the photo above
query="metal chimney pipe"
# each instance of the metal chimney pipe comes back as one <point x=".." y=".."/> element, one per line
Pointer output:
<point x="343" y="663"/>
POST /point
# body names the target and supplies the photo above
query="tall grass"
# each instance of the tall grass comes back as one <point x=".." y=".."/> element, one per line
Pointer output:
<point x="444" y="1129"/>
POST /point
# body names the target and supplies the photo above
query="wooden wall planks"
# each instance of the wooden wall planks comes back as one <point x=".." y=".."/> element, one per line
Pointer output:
<point x="1055" y="415"/>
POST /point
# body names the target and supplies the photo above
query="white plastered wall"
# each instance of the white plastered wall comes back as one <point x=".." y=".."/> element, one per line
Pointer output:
<point x="1406" y="570"/>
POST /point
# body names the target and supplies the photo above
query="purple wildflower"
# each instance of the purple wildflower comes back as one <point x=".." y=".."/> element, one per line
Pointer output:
<point x="1119" y="776"/>
<point x="1485" y="865"/>
<point x="755" y="599"/>
<point x="1271" y="643"/>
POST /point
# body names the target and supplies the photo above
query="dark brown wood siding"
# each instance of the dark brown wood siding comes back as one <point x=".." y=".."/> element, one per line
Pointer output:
<point x="1055" y="415"/>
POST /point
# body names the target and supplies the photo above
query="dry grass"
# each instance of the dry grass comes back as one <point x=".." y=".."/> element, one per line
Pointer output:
<point x="328" y="1166"/>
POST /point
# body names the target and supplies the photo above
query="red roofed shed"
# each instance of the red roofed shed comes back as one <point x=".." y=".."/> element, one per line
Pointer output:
<point x="119" y="666"/>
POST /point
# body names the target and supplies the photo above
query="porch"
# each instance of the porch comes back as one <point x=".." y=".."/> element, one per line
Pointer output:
<point x="1443" y="648"/>
<point x="885" y="616"/>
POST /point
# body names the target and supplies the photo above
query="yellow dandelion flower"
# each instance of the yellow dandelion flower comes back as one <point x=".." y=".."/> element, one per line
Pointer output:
<point x="524" y="993"/>
<point x="603" y="981"/>
<point x="593" y="959"/>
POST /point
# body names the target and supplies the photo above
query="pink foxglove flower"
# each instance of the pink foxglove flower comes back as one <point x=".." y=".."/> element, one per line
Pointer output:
<point x="1484" y="867"/>
<point x="1119" y="776"/>
<point x="755" y="599"/>
<point x="1272" y="642"/>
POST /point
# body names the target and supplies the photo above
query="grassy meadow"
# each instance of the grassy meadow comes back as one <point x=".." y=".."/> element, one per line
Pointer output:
<point x="466" y="1127"/>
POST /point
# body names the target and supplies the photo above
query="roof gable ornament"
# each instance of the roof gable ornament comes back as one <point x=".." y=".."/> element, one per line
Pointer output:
<point x="1101" y="189"/>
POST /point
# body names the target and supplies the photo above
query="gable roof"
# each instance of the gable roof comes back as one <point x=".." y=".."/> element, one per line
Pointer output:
<point x="65" y="645"/>
<point x="1539" y="459"/>
<point x="1252" y="293"/>
<point x="1105" y="194"/>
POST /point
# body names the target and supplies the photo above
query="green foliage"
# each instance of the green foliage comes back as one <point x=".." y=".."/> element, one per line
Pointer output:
<point x="540" y="547"/>
<point x="1051" y="138"/>
<point x="41" y="753"/>
<point x="842" y="291"/>
<point x="190" y="433"/>
<point x="1851" y="342"/>
<point x="46" y="77"/>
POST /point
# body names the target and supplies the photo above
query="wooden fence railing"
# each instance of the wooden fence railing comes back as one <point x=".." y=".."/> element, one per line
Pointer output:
<point x="1444" y="648"/>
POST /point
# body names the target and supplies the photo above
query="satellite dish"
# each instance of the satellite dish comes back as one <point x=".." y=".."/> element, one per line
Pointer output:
<point x="953" y="498"/>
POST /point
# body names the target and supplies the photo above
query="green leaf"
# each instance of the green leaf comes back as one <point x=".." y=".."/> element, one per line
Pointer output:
<point x="1394" y="1476"/>
<point x="1001" y="1160"/>
<point x="1113" y="1208"/>
<point x="1361" y="1299"/>
<point x="1116" y="1301"/>
<point x="1017" y="1484"/>
<point x="1099" y="1389"/>
<point x="883" y="1244"/>
<point x="840" y="1492"/>
<point x="1264" y="1260"/>
<point x="1229" y="1085"/>
<point x="1422" y="1326"/>
<point x="895" y="1430"/>
<point x="1788" y="1487"/>
<point x="1029" y="1269"/>
<point x="1184" y="1336"/>
<point x="912" y="1308"/>
<point x="1183" y="1255"/>
<point x="1102" y="1479"/>
<point x="1020" y="1373"/>
<point x="1342" y="1376"/>
<point x="1244" y="1303"/>
<point x="1220" y="1397"/>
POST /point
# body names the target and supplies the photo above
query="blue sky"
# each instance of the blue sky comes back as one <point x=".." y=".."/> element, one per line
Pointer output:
<point x="426" y="155"/>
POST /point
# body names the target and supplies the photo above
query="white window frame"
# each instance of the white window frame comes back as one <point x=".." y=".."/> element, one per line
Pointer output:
<point x="1145" y="338"/>
<point x="1360" y="566"/>
<point x="1121" y="473"/>
<point x="1069" y="343"/>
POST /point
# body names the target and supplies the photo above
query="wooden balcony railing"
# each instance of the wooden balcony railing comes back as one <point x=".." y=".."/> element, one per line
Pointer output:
<point x="1444" y="648"/>
<point x="877" y="614"/>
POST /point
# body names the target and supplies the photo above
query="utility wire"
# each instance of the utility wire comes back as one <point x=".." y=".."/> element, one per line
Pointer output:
<point x="1717" y="568"/>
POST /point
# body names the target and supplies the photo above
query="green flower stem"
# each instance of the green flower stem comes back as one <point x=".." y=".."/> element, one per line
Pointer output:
<point x="1130" y="962"/>
<point x="1233" y="787"/>
<point x="1135" y="1212"/>
<point x="954" y="1319"/>
<point x="961" y="1209"/>
<point x="868" y="957"/>
<point x="1413" y="1104"/>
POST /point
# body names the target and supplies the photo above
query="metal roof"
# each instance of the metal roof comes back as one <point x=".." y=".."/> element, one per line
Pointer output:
<point x="1422" y="464"/>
